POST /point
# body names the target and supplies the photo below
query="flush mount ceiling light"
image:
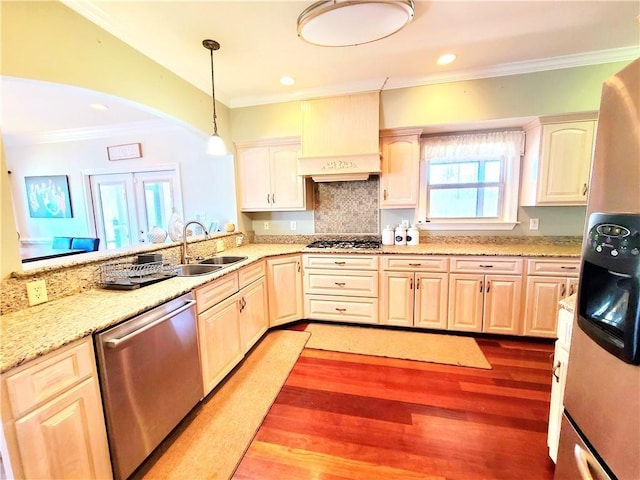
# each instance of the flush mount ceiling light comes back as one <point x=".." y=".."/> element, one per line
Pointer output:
<point x="446" y="58"/>
<point x="216" y="145"/>
<point x="342" y="23"/>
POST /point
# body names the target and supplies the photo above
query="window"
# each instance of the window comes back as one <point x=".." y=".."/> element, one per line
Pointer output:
<point x="470" y="181"/>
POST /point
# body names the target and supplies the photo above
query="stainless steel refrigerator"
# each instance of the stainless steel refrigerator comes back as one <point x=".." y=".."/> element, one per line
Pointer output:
<point x="600" y="432"/>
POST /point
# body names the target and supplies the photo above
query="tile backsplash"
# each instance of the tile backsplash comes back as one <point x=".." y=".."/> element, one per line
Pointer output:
<point x="347" y="207"/>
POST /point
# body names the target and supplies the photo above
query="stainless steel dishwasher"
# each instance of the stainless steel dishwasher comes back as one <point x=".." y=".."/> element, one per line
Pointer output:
<point x="150" y="378"/>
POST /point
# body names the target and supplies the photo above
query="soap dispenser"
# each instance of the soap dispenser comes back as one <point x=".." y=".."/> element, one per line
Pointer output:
<point x="387" y="235"/>
<point x="401" y="235"/>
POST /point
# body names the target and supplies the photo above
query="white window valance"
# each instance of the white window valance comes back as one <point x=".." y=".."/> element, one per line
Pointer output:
<point x="502" y="144"/>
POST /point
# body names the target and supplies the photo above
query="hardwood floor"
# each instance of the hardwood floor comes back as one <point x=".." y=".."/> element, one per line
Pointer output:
<point x="344" y="416"/>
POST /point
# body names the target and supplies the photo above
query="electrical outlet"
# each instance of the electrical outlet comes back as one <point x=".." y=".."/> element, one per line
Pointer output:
<point x="265" y="225"/>
<point x="405" y="223"/>
<point x="37" y="292"/>
<point x="293" y="225"/>
<point x="219" y="246"/>
<point x="239" y="239"/>
<point x="534" y="223"/>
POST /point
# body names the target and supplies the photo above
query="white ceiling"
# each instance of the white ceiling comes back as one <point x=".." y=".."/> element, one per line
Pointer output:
<point x="259" y="44"/>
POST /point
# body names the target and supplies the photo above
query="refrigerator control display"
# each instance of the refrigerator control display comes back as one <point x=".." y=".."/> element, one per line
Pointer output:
<point x="614" y="240"/>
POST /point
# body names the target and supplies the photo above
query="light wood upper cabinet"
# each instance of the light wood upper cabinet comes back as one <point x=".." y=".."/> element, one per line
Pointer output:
<point x="557" y="163"/>
<point x="399" y="180"/>
<point x="268" y="176"/>
<point x="57" y="428"/>
<point x="284" y="285"/>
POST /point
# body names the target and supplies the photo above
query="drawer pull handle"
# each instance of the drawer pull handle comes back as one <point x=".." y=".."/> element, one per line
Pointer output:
<point x="340" y="284"/>
<point x="566" y="267"/>
<point x="486" y="266"/>
<point x="339" y="263"/>
<point x="488" y="286"/>
<point x="585" y="189"/>
<point x="563" y="290"/>
<point x="415" y="264"/>
<point x="571" y="289"/>
<point x="481" y="287"/>
<point x="341" y="310"/>
<point x="556" y="370"/>
<point x="411" y="284"/>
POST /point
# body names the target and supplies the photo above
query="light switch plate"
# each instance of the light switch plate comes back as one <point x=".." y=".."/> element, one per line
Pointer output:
<point x="534" y="223"/>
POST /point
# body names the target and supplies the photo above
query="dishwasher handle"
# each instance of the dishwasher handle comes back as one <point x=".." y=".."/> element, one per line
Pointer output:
<point x="115" y="342"/>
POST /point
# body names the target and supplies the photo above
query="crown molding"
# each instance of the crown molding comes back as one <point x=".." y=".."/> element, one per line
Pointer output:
<point x="88" y="133"/>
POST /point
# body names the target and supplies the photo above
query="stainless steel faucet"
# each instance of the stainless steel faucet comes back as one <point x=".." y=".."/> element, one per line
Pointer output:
<point x="184" y="257"/>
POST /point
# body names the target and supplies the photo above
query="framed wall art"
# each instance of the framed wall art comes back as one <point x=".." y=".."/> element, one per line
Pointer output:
<point x="48" y="196"/>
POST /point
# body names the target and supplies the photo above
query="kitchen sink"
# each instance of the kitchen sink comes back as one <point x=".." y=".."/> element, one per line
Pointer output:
<point x="194" y="269"/>
<point x="221" y="260"/>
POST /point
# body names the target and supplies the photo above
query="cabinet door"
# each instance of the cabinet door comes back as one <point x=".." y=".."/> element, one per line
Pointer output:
<point x="66" y="437"/>
<point x="431" y="296"/>
<point x="502" y="304"/>
<point x="541" y="311"/>
<point x="399" y="180"/>
<point x="558" y="382"/>
<point x="254" y="178"/>
<point x="220" y="348"/>
<point x="288" y="189"/>
<point x="284" y="285"/>
<point x="466" y="293"/>
<point x="566" y="161"/>
<point x="397" y="298"/>
<point x="254" y="316"/>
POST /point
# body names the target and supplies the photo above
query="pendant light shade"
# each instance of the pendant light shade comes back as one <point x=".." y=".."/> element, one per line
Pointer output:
<point x="343" y="23"/>
<point x="216" y="145"/>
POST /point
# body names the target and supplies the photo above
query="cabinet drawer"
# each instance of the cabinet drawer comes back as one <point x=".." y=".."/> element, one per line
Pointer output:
<point x="339" y="282"/>
<point x="251" y="273"/>
<point x="216" y="291"/>
<point x="39" y="382"/>
<point x="341" y="309"/>
<point x="415" y="264"/>
<point x="486" y="265"/>
<point x="559" y="267"/>
<point x="357" y="262"/>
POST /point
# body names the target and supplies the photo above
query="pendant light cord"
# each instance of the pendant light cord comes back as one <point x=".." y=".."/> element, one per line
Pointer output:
<point x="213" y="97"/>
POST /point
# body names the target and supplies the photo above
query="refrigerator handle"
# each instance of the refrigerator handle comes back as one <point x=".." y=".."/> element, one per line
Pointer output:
<point x="588" y="466"/>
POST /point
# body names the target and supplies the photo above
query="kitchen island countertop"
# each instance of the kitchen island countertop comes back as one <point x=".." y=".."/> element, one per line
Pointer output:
<point x="35" y="331"/>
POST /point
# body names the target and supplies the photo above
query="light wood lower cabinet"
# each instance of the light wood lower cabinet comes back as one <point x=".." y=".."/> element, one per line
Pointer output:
<point x="53" y="419"/>
<point x="254" y="317"/>
<point x="341" y="288"/>
<point x="485" y="303"/>
<point x="415" y="299"/>
<point x="220" y="346"/>
<point x="284" y="285"/>
<point x="548" y="281"/>
<point x="559" y="380"/>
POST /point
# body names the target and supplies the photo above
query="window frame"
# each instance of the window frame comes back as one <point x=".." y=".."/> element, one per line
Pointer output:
<point x="510" y="178"/>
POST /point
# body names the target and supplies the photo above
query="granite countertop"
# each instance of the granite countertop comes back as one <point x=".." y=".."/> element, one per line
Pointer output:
<point x="35" y="331"/>
<point x="569" y="303"/>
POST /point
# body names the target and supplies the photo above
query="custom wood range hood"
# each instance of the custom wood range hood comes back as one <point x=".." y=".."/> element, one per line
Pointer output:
<point x="340" y="138"/>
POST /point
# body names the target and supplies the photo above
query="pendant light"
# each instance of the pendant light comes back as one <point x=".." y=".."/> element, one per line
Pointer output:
<point x="216" y="145"/>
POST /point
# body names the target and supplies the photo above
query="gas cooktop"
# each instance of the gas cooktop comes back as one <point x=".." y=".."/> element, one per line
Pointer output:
<point x="344" y="244"/>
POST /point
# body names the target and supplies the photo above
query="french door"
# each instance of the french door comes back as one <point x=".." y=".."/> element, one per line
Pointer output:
<point x="127" y="205"/>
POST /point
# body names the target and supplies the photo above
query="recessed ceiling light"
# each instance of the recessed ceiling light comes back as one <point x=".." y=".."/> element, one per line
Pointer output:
<point x="446" y="59"/>
<point x="287" y="80"/>
<point x="99" y="106"/>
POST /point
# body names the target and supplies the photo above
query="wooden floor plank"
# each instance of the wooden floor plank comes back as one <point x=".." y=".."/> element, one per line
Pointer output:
<point x="344" y="416"/>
